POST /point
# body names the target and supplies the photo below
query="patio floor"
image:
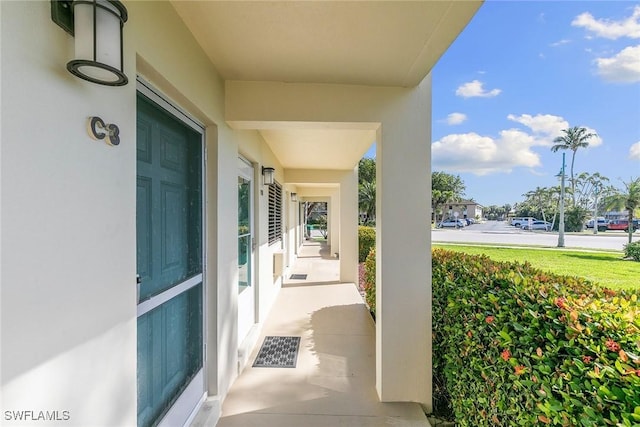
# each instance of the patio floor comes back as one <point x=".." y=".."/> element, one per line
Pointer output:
<point x="333" y="383"/>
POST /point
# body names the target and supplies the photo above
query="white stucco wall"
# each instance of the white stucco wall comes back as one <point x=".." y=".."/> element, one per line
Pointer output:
<point x="68" y="232"/>
<point x="68" y="293"/>
<point x="403" y="250"/>
<point x="252" y="147"/>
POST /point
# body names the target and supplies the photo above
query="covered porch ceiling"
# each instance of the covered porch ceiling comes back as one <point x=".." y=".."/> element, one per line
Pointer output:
<point x="371" y="43"/>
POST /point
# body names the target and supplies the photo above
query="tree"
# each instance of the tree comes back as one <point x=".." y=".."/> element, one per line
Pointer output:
<point x="367" y="189"/>
<point x="540" y="201"/>
<point x="574" y="218"/>
<point x="366" y="170"/>
<point x="629" y="199"/>
<point x="494" y="212"/>
<point x="587" y="186"/>
<point x="311" y="207"/>
<point x="445" y="188"/>
<point x="573" y="139"/>
<point x="367" y="201"/>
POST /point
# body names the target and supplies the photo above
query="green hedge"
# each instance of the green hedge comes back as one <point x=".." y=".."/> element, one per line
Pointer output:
<point x="370" y="280"/>
<point x="632" y="250"/>
<point x="515" y="346"/>
<point x="366" y="241"/>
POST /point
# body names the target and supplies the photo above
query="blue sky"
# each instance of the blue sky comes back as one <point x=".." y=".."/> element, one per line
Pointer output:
<point x="522" y="71"/>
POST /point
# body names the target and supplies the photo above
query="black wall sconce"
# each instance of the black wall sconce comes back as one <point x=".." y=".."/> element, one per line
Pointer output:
<point x="294" y="197"/>
<point x="97" y="28"/>
<point x="268" y="176"/>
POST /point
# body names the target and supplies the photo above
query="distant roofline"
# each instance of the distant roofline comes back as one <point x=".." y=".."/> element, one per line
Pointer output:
<point x="466" y="202"/>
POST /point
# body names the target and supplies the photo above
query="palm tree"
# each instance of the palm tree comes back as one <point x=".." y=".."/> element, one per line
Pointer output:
<point x="540" y="200"/>
<point x="629" y="200"/>
<point x="587" y="185"/>
<point x="445" y="188"/>
<point x="573" y="138"/>
<point x="367" y="200"/>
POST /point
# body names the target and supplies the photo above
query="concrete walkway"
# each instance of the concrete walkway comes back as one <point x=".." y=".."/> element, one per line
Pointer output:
<point x="333" y="383"/>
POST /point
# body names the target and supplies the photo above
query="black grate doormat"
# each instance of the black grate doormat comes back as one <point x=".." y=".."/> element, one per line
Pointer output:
<point x="298" y="277"/>
<point x="278" y="352"/>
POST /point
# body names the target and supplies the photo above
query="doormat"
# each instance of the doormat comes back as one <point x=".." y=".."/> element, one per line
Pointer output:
<point x="298" y="277"/>
<point x="278" y="352"/>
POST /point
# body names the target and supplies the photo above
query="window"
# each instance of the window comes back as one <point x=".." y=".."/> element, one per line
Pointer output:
<point x="275" y="212"/>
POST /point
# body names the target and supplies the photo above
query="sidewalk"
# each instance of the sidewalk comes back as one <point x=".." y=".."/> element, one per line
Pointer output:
<point x="333" y="383"/>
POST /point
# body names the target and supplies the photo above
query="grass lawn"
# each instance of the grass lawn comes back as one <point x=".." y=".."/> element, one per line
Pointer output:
<point x="607" y="268"/>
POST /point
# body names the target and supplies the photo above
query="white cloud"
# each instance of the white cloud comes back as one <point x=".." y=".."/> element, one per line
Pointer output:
<point x="628" y="27"/>
<point x="634" y="151"/>
<point x="483" y="155"/>
<point x="596" y="140"/>
<point x="456" y="118"/>
<point x="475" y="89"/>
<point x="546" y="127"/>
<point x="513" y="148"/>
<point x="624" y="67"/>
<point x="560" y="43"/>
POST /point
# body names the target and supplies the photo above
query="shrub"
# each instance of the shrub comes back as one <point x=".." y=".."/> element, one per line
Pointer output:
<point x="370" y="280"/>
<point x="515" y="346"/>
<point x="366" y="241"/>
<point x="632" y="250"/>
<point x="575" y="218"/>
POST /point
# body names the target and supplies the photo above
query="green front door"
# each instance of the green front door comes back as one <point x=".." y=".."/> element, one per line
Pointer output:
<point x="169" y="262"/>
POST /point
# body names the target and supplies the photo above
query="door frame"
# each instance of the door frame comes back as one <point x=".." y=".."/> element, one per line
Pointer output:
<point x="254" y="239"/>
<point x="196" y="390"/>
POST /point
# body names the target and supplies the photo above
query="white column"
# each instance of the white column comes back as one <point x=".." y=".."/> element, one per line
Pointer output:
<point x="349" y="227"/>
<point x="334" y="226"/>
<point x="329" y="221"/>
<point x="403" y="261"/>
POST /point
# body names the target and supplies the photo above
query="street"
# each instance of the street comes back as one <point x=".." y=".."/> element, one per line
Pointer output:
<point x="499" y="232"/>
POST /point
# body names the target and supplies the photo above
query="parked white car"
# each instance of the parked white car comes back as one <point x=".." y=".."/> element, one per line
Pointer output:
<point x="454" y="223"/>
<point x="602" y="223"/>
<point x="518" y="221"/>
<point x="536" y="225"/>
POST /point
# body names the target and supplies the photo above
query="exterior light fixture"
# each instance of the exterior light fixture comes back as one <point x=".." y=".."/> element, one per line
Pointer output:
<point x="97" y="28"/>
<point x="294" y="197"/>
<point x="268" y="175"/>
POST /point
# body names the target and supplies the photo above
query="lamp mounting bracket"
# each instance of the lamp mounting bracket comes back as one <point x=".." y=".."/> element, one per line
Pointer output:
<point x="62" y="14"/>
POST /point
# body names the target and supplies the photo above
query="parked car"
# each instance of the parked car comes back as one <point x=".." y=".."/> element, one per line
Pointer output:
<point x="537" y="225"/>
<point x="622" y="224"/>
<point x="469" y="221"/>
<point x="602" y="223"/>
<point x="518" y="221"/>
<point x="454" y="223"/>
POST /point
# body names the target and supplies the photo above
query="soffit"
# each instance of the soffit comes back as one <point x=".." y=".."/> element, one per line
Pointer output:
<point x="319" y="148"/>
<point x="377" y="43"/>
<point x="380" y="43"/>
